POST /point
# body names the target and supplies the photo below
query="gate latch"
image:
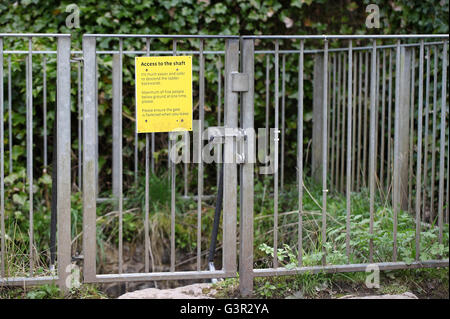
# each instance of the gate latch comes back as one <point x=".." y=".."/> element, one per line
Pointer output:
<point x="239" y="82"/>
<point x="217" y="135"/>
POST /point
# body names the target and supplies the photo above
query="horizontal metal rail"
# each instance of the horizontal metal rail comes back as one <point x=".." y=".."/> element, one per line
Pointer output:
<point x="345" y="37"/>
<point x="348" y="268"/>
<point x="34" y="35"/>
<point x="163" y="36"/>
<point x="178" y="275"/>
<point x="28" y="281"/>
<point x="221" y="52"/>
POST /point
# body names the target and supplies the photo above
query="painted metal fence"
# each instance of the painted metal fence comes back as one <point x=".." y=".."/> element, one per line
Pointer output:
<point x="379" y="125"/>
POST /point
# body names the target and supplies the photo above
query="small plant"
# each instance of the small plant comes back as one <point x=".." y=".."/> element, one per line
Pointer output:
<point x="45" y="292"/>
<point x="267" y="290"/>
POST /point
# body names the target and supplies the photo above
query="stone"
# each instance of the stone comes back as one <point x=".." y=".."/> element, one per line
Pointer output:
<point x="195" y="291"/>
<point x="405" y="295"/>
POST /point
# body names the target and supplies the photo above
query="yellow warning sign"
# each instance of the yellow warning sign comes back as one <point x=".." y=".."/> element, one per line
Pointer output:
<point x="163" y="93"/>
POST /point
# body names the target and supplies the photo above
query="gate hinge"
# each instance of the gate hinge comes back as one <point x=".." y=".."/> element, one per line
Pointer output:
<point x="239" y="82"/>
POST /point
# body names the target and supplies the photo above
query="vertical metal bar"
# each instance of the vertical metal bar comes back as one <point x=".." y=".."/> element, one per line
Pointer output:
<point x="2" y="173"/>
<point x="146" y="212"/>
<point x="172" y="177"/>
<point x="44" y="106"/>
<point x="10" y="141"/>
<point x="404" y="129"/>
<point x="442" y="141"/>
<point x="152" y="151"/>
<point x="283" y="116"/>
<point x="120" y="186"/>
<point x="300" y="152"/>
<point x="200" y="143"/>
<point x="275" y="184"/>
<point x="247" y="171"/>
<point x="324" y="151"/>
<point x="230" y="170"/>
<point x="169" y="142"/>
<point x="147" y="200"/>
<point x="372" y="150"/>
<point x="136" y="153"/>
<point x="30" y="150"/>
<point x="80" y="128"/>
<point x="419" y="150"/>
<point x="389" y="124"/>
<point x="366" y="91"/>
<point x="344" y="87"/>
<point x="383" y="119"/>
<point x="338" y="118"/>
<point x="427" y="119"/>
<point x="116" y="128"/>
<point x="360" y="111"/>
<point x="89" y="159"/>
<point x="349" y="146"/>
<point x="411" y="134"/>
<point x="63" y="179"/>
<point x="396" y="150"/>
<point x="433" y="139"/>
<point x="316" y="163"/>
<point x="97" y="190"/>
<point x="330" y="70"/>
<point x="447" y="216"/>
<point x="219" y="113"/>
<point x="353" y="161"/>
<point x="266" y="146"/>
<point x="333" y="121"/>
<point x="377" y="113"/>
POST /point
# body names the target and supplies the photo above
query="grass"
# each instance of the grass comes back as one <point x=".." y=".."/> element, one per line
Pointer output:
<point x="314" y="248"/>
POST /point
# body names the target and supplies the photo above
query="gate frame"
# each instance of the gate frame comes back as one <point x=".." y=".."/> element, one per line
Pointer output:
<point x="90" y="157"/>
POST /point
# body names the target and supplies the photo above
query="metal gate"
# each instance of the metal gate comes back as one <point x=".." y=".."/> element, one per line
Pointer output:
<point x="90" y="158"/>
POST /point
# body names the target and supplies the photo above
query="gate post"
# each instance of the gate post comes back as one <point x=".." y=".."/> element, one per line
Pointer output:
<point x="229" y="165"/>
<point x="317" y="136"/>
<point x="63" y="160"/>
<point x="89" y="159"/>
<point x="247" y="171"/>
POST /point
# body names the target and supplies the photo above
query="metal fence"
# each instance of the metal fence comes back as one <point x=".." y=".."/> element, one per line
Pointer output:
<point x="378" y="125"/>
<point x="60" y="57"/>
<point x="349" y="139"/>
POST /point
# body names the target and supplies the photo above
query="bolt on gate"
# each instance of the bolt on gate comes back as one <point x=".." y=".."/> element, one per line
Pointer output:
<point x="377" y="128"/>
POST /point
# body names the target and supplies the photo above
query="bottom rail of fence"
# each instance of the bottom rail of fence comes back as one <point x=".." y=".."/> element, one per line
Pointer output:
<point x="267" y="272"/>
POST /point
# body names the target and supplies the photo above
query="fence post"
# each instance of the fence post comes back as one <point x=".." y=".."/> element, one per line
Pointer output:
<point x="247" y="191"/>
<point x="89" y="158"/>
<point x="63" y="181"/>
<point x="401" y="135"/>
<point x="317" y="135"/>
<point x="229" y="164"/>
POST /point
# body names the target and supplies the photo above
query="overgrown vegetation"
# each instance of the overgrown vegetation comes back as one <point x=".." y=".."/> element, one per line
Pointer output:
<point x="86" y="291"/>
<point x="424" y="283"/>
